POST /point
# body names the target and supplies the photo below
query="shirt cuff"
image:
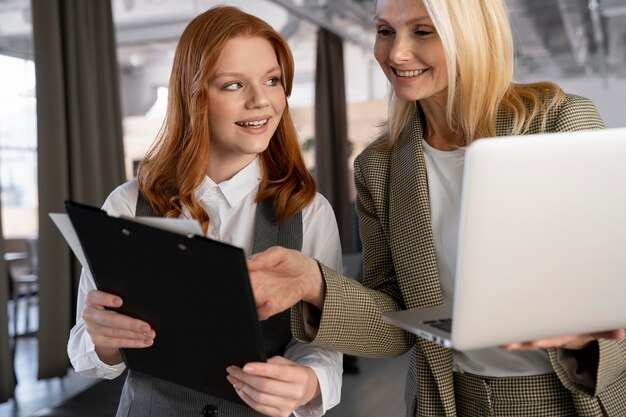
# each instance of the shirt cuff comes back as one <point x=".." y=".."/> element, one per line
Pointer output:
<point x="95" y="368"/>
<point x="327" y="366"/>
<point x="330" y="390"/>
<point x="89" y="365"/>
<point x="314" y="408"/>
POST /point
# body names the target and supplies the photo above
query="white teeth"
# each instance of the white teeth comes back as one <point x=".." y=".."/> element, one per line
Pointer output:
<point x="255" y="124"/>
<point x="414" y="73"/>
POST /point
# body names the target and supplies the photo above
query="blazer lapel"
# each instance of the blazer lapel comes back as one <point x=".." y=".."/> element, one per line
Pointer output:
<point x="411" y="238"/>
<point x="413" y="248"/>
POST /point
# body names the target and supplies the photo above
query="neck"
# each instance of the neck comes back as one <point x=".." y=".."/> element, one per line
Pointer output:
<point x="224" y="169"/>
<point x="437" y="131"/>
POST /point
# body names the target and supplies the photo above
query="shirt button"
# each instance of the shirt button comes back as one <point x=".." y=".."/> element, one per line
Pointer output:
<point x="209" y="411"/>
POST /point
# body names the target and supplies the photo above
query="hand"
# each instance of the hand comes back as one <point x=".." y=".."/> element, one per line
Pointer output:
<point x="274" y="388"/>
<point x="281" y="278"/>
<point x="110" y="330"/>
<point x="573" y="342"/>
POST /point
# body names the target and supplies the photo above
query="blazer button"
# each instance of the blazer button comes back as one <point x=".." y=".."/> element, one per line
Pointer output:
<point x="209" y="411"/>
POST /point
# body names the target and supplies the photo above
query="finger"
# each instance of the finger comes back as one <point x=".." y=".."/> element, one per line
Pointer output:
<point x="117" y="333"/>
<point x="234" y="381"/>
<point x="252" y="402"/>
<point x="281" y="385"/>
<point x="270" y="257"/>
<point x="265" y="311"/>
<point x="616" y="334"/>
<point x="266" y="304"/>
<point x="521" y="346"/>
<point x="114" y="320"/>
<point x="274" y="368"/>
<point x="274" y="403"/>
<point x="103" y="341"/>
<point x="261" y="383"/>
<point x="566" y="342"/>
<point x="241" y="385"/>
<point x="278" y="360"/>
<point x="536" y="344"/>
<point x="102" y="299"/>
<point x="102" y="336"/>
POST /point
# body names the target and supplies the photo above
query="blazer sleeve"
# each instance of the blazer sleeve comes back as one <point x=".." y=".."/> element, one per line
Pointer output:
<point x="576" y="113"/>
<point x="351" y="317"/>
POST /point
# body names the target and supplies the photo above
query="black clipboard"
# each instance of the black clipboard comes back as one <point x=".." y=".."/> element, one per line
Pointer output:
<point x="194" y="291"/>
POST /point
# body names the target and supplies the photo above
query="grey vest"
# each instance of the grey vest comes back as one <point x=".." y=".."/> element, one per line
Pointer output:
<point x="147" y="396"/>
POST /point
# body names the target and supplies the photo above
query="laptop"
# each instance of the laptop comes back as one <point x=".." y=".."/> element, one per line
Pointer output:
<point x="542" y="242"/>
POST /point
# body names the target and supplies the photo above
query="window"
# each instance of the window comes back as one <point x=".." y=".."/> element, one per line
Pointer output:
<point x="18" y="128"/>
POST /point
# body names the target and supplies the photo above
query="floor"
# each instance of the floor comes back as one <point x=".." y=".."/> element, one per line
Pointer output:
<point x="376" y="390"/>
<point x="32" y="395"/>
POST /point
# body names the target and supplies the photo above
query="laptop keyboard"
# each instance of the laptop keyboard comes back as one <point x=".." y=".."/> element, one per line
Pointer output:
<point x="443" y="324"/>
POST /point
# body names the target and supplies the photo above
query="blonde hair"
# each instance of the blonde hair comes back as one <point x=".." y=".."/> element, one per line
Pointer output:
<point x="177" y="163"/>
<point x="478" y="45"/>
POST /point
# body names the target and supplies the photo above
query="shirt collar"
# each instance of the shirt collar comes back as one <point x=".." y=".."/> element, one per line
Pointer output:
<point x="235" y="189"/>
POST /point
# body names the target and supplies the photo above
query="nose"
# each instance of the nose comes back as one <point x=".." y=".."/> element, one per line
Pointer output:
<point x="257" y="98"/>
<point x="400" y="49"/>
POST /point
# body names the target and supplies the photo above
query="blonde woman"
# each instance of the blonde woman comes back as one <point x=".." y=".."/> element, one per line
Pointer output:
<point x="450" y="63"/>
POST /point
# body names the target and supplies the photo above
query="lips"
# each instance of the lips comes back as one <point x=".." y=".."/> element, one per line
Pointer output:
<point x="254" y="124"/>
<point x="408" y="73"/>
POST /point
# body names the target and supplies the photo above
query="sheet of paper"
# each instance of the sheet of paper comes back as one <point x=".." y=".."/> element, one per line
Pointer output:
<point x="63" y="223"/>
<point x="181" y="226"/>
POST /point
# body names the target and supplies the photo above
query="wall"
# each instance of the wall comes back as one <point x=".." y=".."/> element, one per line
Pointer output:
<point x="609" y="95"/>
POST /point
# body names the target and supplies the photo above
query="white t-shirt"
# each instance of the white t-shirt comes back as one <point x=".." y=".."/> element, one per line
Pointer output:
<point x="232" y="210"/>
<point x="445" y="178"/>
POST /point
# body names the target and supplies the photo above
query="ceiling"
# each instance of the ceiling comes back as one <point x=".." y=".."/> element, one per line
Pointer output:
<point x="556" y="37"/>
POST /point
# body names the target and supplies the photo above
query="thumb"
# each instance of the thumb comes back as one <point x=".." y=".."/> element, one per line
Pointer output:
<point x="612" y="334"/>
<point x="266" y="259"/>
<point x="279" y="360"/>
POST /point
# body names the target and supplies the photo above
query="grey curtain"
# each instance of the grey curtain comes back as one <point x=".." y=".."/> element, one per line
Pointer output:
<point x="331" y="132"/>
<point x="80" y="151"/>
<point x="7" y="377"/>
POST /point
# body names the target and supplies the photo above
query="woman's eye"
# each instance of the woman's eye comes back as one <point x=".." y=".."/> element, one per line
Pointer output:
<point x="384" y="32"/>
<point x="424" y="32"/>
<point x="274" y="81"/>
<point x="233" y="86"/>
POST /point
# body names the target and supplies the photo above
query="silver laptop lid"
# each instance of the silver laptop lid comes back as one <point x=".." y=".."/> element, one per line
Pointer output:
<point x="542" y="241"/>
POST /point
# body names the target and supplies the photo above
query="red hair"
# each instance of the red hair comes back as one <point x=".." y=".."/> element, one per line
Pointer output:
<point x="177" y="163"/>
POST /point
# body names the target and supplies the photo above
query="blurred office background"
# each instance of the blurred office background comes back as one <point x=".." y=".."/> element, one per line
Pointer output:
<point x="83" y="90"/>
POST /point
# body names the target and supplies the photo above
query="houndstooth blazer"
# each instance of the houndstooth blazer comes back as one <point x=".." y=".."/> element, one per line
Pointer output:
<point x="400" y="271"/>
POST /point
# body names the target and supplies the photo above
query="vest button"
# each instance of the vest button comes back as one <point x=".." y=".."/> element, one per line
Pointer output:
<point x="209" y="411"/>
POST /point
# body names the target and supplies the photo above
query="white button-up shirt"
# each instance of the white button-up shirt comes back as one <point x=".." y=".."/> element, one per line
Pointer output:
<point x="232" y="208"/>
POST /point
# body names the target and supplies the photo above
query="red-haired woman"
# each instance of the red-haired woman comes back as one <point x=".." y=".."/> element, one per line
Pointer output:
<point x="227" y="155"/>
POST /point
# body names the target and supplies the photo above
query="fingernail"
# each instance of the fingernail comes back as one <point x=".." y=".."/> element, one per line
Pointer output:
<point x="248" y="368"/>
<point x="251" y="257"/>
<point x="117" y="302"/>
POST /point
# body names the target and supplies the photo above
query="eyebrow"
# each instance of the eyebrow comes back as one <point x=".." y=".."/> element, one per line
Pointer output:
<point x="240" y="74"/>
<point x="420" y="19"/>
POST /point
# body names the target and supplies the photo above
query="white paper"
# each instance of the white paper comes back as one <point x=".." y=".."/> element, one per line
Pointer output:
<point x="182" y="226"/>
<point x="62" y="221"/>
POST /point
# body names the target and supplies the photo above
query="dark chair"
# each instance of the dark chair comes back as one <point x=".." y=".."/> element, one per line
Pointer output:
<point x="22" y="269"/>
